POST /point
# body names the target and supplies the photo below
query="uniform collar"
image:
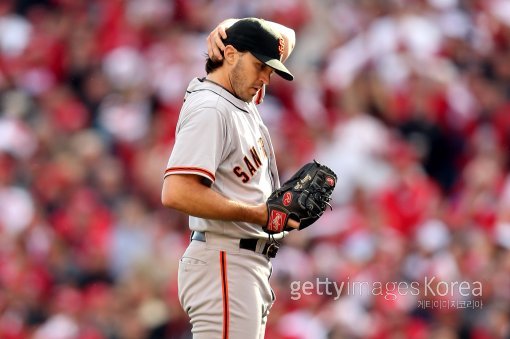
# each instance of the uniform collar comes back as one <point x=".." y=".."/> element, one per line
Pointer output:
<point x="203" y="83"/>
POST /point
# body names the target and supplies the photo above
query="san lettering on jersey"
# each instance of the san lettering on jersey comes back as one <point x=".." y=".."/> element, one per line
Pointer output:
<point x="251" y="162"/>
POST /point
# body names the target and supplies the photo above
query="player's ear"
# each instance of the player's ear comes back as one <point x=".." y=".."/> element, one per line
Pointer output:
<point x="230" y="54"/>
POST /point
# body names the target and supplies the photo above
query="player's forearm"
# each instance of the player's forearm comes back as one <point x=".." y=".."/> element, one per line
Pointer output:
<point x="185" y="193"/>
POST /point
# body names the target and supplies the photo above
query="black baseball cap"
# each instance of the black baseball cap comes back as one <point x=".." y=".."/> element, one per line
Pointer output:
<point x="257" y="37"/>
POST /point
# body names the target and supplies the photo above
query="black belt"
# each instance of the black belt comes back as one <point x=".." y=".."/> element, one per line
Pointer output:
<point x="270" y="249"/>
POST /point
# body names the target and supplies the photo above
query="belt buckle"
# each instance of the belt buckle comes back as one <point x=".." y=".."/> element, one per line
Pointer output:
<point x="271" y="251"/>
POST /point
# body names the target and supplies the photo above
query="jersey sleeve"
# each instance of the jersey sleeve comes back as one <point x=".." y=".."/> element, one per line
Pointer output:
<point x="199" y="144"/>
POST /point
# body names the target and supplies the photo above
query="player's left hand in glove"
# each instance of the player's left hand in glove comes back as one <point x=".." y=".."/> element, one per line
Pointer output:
<point x="303" y="198"/>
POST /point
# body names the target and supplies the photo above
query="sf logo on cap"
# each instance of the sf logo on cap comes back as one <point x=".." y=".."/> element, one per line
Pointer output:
<point x="281" y="46"/>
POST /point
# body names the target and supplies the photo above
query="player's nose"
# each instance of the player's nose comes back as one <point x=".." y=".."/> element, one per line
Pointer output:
<point x="265" y="75"/>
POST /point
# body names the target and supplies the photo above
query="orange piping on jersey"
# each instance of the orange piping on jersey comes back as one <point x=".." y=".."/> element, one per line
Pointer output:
<point x="198" y="170"/>
<point x="224" y="290"/>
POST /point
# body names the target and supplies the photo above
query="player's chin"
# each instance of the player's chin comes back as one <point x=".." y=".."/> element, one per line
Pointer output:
<point x="249" y="95"/>
<point x="253" y="91"/>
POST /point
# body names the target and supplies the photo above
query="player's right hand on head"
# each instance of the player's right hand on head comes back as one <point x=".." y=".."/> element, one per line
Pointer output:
<point x="215" y="44"/>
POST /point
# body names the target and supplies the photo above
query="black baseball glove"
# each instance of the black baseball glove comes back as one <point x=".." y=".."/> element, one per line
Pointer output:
<point x="303" y="198"/>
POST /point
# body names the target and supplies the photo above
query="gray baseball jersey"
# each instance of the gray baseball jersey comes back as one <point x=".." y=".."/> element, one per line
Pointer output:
<point x="231" y="148"/>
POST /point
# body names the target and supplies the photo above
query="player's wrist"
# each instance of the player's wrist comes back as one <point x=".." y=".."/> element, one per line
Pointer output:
<point x="257" y="214"/>
<point x="262" y="214"/>
<point x="254" y="214"/>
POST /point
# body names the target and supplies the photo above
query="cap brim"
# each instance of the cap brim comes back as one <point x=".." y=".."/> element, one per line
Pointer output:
<point x="277" y="65"/>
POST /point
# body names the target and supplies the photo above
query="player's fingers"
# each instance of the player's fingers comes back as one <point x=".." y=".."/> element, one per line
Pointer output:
<point x="212" y="48"/>
<point x="293" y="223"/>
<point x="219" y="46"/>
<point x="210" y="51"/>
<point x="210" y="45"/>
<point x="222" y="32"/>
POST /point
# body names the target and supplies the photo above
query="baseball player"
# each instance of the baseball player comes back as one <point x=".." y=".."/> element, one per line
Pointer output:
<point x="221" y="172"/>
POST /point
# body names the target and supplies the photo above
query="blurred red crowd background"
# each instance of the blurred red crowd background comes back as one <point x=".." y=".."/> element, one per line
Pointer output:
<point x="408" y="101"/>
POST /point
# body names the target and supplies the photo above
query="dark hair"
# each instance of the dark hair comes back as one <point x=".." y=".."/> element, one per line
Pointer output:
<point x="211" y="65"/>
